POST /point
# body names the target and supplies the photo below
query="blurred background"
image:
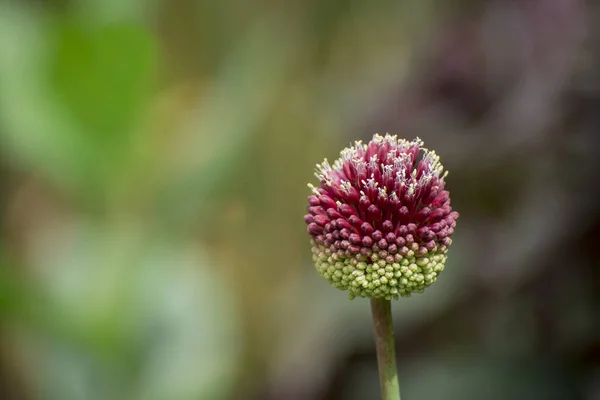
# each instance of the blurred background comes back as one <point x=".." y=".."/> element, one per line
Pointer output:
<point x="154" y="157"/>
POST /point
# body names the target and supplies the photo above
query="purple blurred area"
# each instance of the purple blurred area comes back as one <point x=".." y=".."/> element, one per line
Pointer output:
<point x="154" y="157"/>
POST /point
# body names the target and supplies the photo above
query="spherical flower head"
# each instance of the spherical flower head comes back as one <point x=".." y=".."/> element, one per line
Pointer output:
<point x="381" y="221"/>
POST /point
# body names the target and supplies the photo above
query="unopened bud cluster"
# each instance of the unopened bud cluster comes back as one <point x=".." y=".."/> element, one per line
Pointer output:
<point x="381" y="221"/>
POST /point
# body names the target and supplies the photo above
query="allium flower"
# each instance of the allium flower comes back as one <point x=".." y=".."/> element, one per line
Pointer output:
<point x="381" y="221"/>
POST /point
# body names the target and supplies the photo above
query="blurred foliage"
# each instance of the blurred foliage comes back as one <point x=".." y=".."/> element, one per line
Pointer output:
<point x="77" y="92"/>
<point x="154" y="157"/>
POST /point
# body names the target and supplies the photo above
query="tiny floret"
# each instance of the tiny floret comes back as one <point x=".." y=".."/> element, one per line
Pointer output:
<point x="380" y="219"/>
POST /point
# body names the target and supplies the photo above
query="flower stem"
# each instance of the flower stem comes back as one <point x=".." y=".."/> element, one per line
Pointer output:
<point x="386" y="353"/>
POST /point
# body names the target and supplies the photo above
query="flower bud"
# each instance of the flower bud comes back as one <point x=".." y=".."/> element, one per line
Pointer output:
<point x="380" y="220"/>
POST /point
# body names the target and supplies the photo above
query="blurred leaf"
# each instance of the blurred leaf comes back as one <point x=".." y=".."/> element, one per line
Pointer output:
<point x="72" y="96"/>
<point x="103" y="76"/>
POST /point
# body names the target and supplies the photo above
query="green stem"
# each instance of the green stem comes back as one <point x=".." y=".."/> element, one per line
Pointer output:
<point x="386" y="353"/>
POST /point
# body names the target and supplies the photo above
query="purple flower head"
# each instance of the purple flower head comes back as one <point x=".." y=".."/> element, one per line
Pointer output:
<point x="380" y="220"/>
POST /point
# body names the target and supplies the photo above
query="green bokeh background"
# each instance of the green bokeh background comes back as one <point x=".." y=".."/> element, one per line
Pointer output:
<point x="154" y="157"/>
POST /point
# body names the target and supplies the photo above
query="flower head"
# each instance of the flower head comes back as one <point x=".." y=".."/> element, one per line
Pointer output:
<point x="381" y="221"/>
